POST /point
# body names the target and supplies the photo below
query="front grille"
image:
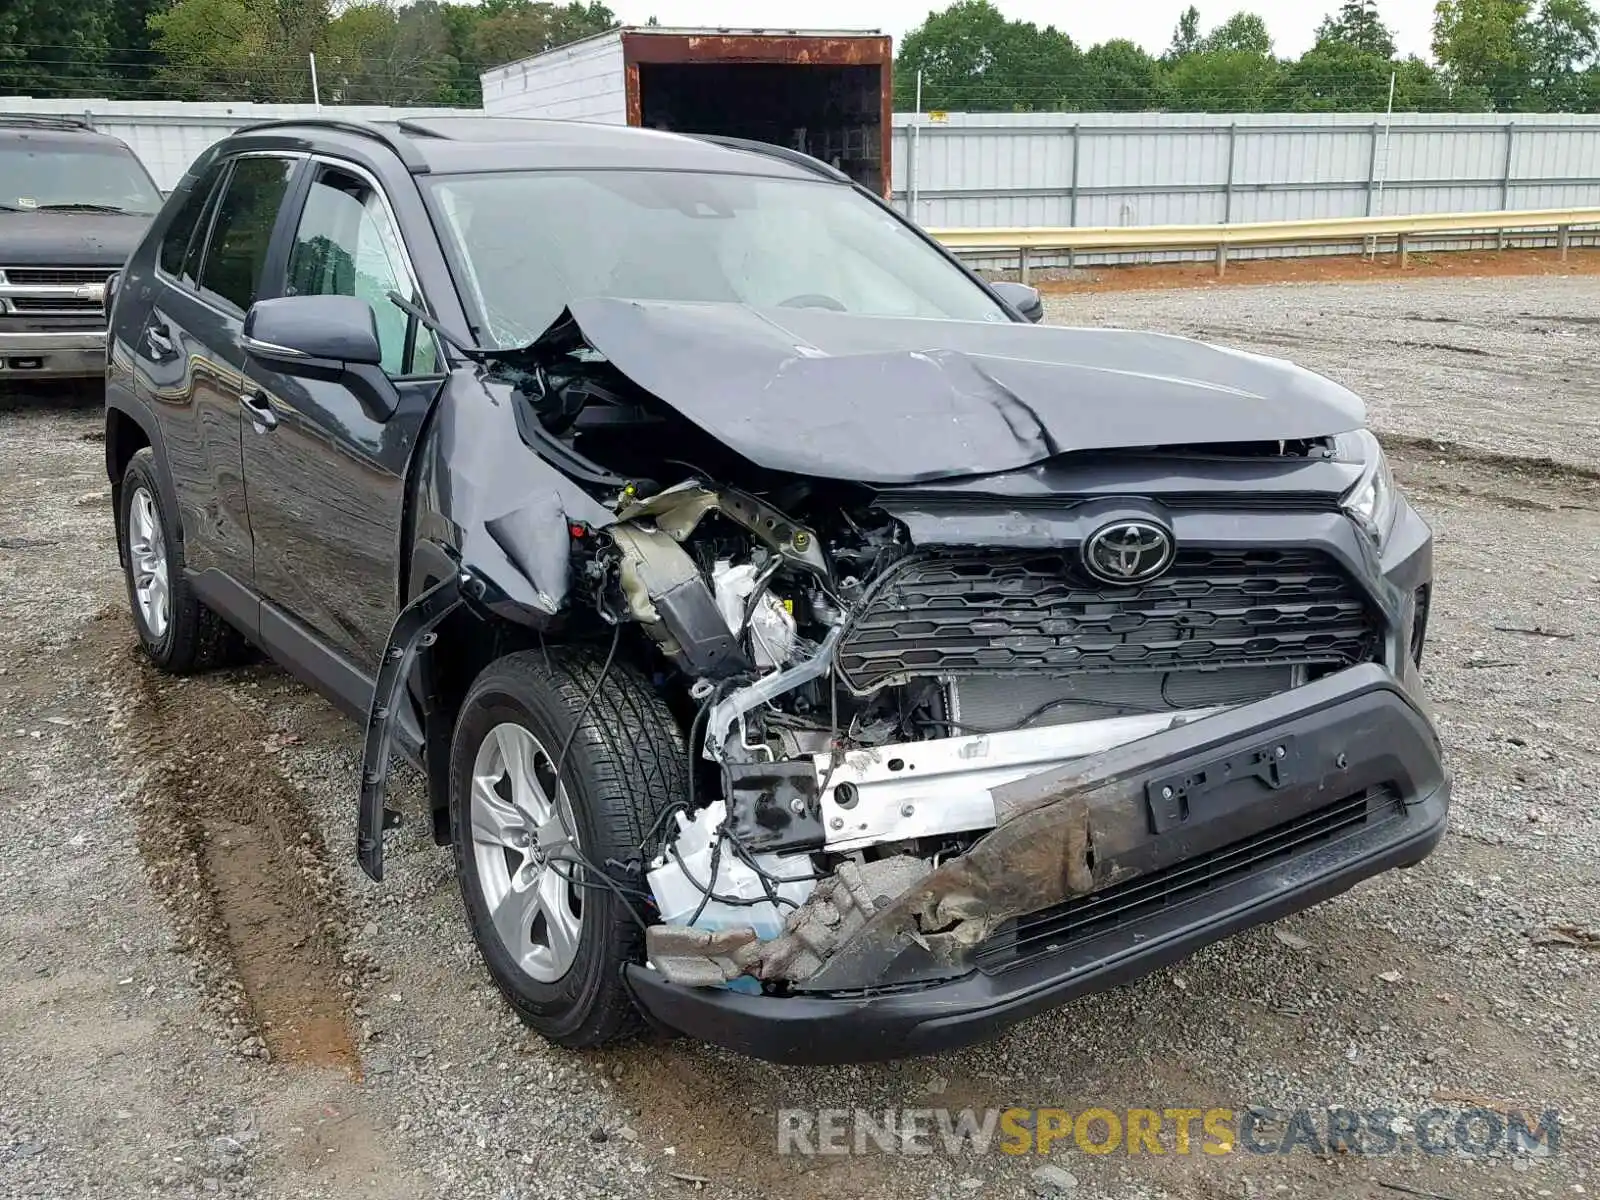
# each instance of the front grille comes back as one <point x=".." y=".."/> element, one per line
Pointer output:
<point x="55" y="304"/>
<point x="56" y="276"/>
<point x="967" y="613"/>
<point x="1062" y="926"/>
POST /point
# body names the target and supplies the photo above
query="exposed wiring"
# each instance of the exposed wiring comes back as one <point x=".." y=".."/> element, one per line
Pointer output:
<point x="748" y="857"/>
<point x="706" y="894"/>
<point x="602" y="881"/>
<point x="763" y="580"/>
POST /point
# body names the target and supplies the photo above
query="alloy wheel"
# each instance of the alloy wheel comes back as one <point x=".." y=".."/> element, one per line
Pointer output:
<point x="523" y="844"/>
<point x="147" y="555"/>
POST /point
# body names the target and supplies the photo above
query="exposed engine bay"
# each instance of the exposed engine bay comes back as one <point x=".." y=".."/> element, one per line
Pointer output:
<point x="858" y="698"/>
<point x="858" y="701"/>
<point x="862" y="669"/>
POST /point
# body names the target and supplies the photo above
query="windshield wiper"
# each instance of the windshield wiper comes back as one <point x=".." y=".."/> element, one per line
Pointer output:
<point x="105" y="208"/>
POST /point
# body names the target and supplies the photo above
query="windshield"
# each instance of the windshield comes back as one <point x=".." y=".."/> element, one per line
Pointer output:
<point x="531" y="242"/>
<point x="46" y="174"/>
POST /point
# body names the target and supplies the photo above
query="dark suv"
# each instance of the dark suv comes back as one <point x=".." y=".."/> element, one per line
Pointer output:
<point x="73" y="205"/>
<point x="802" y="647"/>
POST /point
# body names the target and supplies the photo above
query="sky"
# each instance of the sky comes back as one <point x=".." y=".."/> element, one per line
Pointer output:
<point x="1148" y="22"/>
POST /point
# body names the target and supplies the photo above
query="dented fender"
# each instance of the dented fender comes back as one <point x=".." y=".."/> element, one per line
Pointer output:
<point x="489" y="499"/>
<point x="491" y="528"/>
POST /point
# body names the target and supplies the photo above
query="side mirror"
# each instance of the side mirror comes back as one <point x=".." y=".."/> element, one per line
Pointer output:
<point x="312" y="331"/>
<point x="1025" y="299"/>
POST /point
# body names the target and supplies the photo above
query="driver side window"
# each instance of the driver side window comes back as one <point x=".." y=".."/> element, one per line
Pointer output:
<point x="346" y="245"/>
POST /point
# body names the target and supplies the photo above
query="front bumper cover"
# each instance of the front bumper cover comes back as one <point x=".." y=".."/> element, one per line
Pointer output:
<point x="67" y="353"/>
<point x="890" y="995"/>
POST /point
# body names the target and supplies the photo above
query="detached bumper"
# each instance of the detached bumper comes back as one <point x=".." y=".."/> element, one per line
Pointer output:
<point x="1360" y="790"/>
<point x="69" y="353"/>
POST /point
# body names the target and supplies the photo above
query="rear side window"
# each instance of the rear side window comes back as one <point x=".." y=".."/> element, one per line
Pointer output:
<point x="181" y="232"/>
<point x="242" y="230"/>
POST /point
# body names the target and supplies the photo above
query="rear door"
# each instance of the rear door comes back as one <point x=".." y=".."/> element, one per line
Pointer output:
<point x="325" y="474"/>
<point x="190" y="361"/>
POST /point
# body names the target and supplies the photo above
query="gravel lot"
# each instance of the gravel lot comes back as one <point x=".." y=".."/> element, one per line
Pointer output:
<point x="200" y="994"/>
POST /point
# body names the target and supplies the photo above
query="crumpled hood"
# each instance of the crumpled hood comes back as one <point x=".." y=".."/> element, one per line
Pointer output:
<point x="69" y="239"/>
<point x="893" y="400"/>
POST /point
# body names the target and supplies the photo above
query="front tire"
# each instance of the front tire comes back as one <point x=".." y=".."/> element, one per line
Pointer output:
<point x="179" y="634"/>
<point x="552" y="935"/>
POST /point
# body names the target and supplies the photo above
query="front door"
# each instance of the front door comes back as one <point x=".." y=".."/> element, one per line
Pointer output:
<point x="325" y="473"/>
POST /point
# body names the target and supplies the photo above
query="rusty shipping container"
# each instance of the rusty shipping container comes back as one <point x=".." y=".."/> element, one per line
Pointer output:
<point x="827" y="93"/>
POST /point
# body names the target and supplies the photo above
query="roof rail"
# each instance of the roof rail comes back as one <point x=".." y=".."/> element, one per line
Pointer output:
<point x="401" y="145"/>
<point x="793" y="157"/>
<point x="44" y="121"/>
<point x="417" y="128"/>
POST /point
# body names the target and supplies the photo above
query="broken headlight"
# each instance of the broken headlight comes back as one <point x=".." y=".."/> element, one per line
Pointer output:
<point x="1373" y="502"/>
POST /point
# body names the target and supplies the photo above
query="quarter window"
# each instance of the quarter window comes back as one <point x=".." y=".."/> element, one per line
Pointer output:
<point x="242" y="230"/>
<point x="181" y="232"/>
<point x="346" y="245"/>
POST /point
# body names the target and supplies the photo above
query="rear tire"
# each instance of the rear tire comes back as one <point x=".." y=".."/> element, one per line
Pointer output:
<point x="179" y="634"/>
<point x="555" y="949"/>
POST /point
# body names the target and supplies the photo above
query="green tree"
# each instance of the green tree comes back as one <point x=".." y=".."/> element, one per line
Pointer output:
<point x="972" y="58"/>
<point x="131" y="61"/>
<point x="1564" y="41"/>
<point x="1486" y="44"/>
<point x="239" y="49"/>
<point x="1420" y="88"/>
<point x="1244" y="31"/>
<point x="1336" y="76"/>
<point x="1224" y="81"/>
<point x="377" y="53"/>
<point x="1357" y="24"/>
<point x="1231" y="69"/>
<point x="53" y="47"/>
<point x="509" y="30"/>
<point x="1186" y="37"/>
<point x="1118" y="75"/>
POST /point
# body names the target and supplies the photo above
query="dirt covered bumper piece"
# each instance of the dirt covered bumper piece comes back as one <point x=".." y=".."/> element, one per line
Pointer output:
<point x="1095" y="874"/>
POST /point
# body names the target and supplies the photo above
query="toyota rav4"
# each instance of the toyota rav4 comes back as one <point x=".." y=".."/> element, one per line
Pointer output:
<point x="804" y="648"/>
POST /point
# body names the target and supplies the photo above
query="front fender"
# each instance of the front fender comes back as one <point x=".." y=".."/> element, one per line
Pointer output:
<point x="493" y="530"/>
<point x="487" y="501"/>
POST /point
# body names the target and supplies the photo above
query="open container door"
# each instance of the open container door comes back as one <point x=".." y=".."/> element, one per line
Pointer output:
<point x="827" y="95"/>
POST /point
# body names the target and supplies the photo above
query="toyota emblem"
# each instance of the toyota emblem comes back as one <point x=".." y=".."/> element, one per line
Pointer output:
<point x="1128" y="552"/>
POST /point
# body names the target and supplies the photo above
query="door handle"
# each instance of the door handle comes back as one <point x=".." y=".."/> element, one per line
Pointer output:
<point x="259" y="410"/>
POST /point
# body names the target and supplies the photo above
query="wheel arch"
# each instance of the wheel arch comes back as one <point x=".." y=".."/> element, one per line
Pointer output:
<point x="130" y="427"/>
<point x="467" y="641"/>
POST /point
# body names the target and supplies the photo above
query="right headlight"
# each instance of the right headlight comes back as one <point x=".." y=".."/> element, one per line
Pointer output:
<point x="1374" y="500"/>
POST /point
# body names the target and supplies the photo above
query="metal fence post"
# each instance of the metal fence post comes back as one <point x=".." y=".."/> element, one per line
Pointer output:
<point x="911" y="172"/>
<point x="1077" y="148"/>
<point x="1505" y="181"/>
<point x="1372" y="171"/>
<point x="1233" y="147"/>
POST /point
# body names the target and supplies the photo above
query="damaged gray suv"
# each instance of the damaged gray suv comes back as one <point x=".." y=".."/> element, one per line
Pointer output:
<point x="804" y="650"/>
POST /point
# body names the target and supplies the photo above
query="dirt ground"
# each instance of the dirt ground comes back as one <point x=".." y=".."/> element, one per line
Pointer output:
<point x="200" y="993"/>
